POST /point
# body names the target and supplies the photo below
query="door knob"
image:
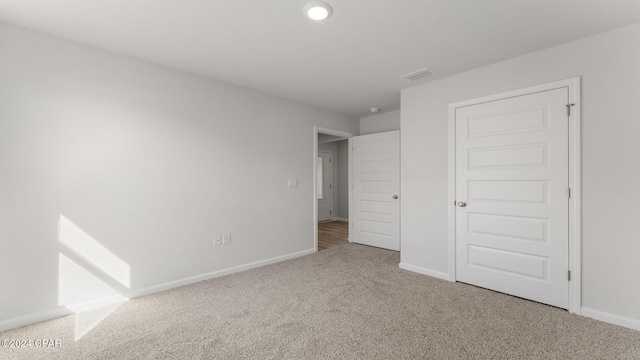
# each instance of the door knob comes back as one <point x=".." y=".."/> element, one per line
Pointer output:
<point x="395" y="196"/>
<point x="462" y="204"/>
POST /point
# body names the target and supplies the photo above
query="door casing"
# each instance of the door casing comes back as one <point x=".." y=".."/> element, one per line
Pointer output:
<point x="573" y="86"/>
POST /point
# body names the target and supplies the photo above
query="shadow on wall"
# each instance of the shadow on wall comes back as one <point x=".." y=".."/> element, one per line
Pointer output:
<point x="80" y="288"/>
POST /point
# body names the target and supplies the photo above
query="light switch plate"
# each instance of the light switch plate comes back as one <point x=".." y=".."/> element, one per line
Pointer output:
<point x="217" y="240"/>
<point x="293" y="183"/>
<point x="226" y="239"/>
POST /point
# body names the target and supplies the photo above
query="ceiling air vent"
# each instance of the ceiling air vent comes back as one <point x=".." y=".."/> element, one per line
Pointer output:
<point x="418" y="74"/>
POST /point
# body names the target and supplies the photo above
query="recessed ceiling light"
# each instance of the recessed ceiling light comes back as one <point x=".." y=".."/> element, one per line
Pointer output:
<point x="318" y="10"/>
<point x="374" y="109"/>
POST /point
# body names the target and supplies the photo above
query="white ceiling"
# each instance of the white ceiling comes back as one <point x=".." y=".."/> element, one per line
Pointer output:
<point x="347" y="64"/>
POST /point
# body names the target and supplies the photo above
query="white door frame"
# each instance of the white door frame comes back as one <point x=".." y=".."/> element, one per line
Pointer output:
<point x="322" y="130"/>
<point x="331" y="204"/>
<point x="575" y="239"/>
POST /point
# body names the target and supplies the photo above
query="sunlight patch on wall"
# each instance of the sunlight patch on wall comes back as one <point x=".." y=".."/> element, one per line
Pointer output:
<point x="93" y="252"/>
<point x="80" y="291"/>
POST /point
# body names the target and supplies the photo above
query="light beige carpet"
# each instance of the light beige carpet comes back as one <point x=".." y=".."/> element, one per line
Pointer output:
<point x="349" y="302"/>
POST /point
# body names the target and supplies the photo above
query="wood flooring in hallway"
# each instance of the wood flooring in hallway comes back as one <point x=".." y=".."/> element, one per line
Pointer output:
<point x="332" y="233"/>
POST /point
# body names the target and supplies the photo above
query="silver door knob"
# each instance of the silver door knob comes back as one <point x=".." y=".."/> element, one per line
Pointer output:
<point x="395" y="196"/>
<point x="462" y="204"/>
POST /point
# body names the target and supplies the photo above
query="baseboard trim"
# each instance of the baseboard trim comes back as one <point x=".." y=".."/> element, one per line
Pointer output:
<point x="611" y="318"/>
<point x="425" y="271"/>
<point x="214" y="274"/>
<point x="340" y="219"/>
<point x="97" y="303"/>
<point x="25" y="320"/>
<point x="35" y="318"/>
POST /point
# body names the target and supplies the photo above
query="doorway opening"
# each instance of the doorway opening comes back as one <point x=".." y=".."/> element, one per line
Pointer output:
<point x="331" y="187"/>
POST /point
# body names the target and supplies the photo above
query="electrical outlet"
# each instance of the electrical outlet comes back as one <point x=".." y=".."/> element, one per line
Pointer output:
<point x="217" y="240"/>
<point x="226" y="239"/>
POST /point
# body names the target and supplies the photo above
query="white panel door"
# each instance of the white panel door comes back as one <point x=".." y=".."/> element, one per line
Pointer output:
<point x="325" y="203"/>
<point x="376" y="190"/>
<point x="512" y="209"/>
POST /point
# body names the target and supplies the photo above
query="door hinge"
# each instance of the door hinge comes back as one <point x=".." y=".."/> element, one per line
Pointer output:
<point x="329" y="159"/>
<point x="329" y="186"/>
<point x="569" y="275"/>
<point x="569" y="109"/>
<point x="330" y="212"/>
<point x="569" y="193"/>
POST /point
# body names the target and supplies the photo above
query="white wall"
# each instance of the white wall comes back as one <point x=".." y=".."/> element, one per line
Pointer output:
<point x="149" y="161"/>
<point x="372" y="124"/>
<point x="343" y="179"/>
<point x="608" y="64"/>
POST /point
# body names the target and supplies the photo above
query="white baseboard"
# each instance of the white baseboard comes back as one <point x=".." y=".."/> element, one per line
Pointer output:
<point x="194" y="279"/>
<point x="340" y="219"/>
<point x="611" y="318"/>
<point x="96" y="303"/>
<point x="425" y="271"/>
<point x="58" y="312"/>
<point x="63" y="311"/>
<point x="33" y="318"/>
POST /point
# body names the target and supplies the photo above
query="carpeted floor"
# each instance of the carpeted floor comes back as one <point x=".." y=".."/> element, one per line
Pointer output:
<point x="348" y="302"/>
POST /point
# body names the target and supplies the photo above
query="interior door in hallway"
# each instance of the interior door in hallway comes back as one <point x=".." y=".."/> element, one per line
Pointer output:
<point x="512" y="205"/>
<point x="376" y="190"/>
